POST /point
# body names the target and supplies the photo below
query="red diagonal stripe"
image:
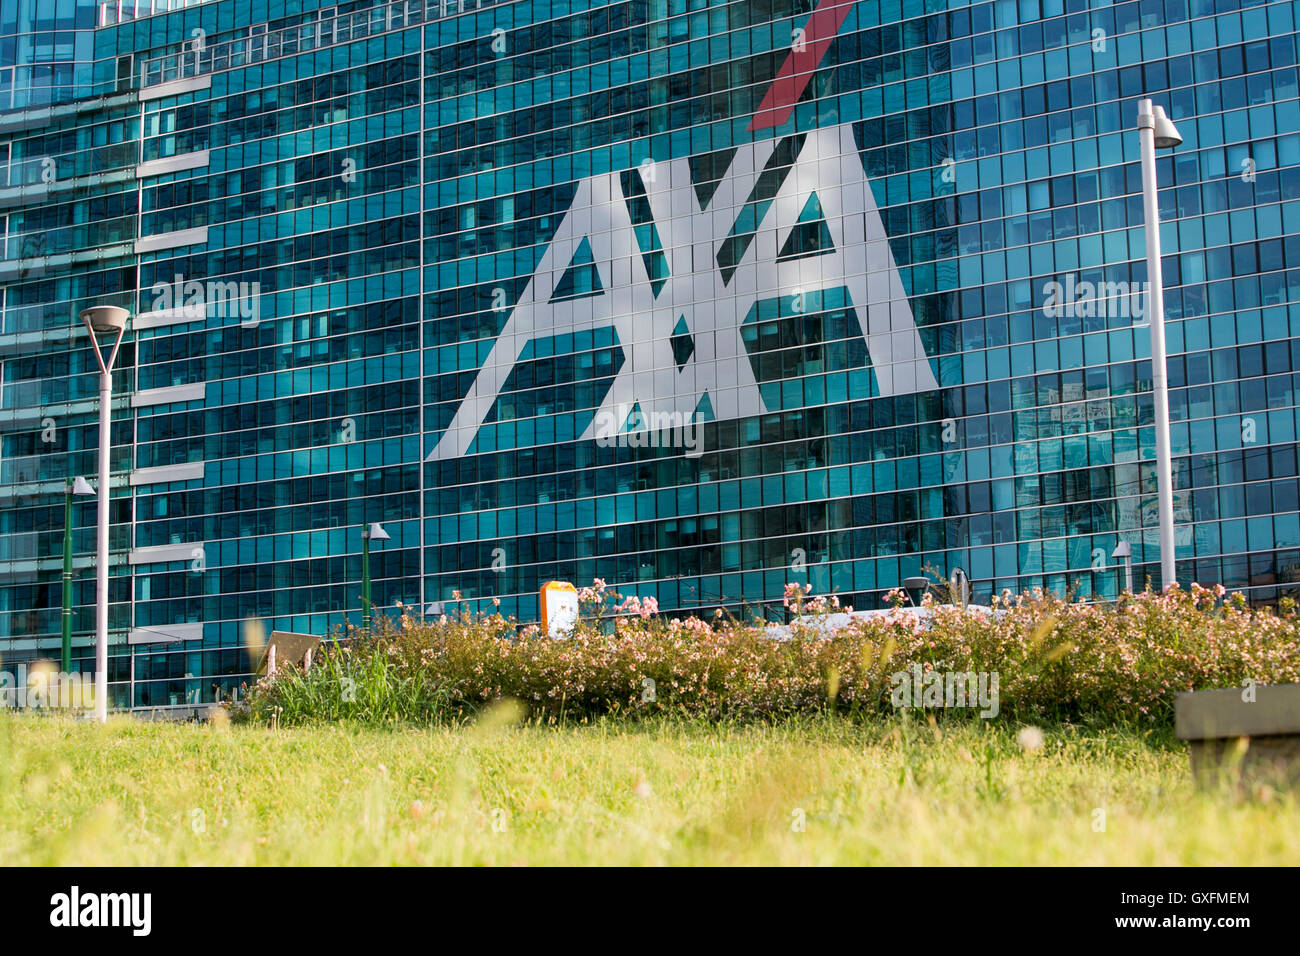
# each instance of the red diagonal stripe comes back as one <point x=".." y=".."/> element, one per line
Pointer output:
<point x="798" y="67"/>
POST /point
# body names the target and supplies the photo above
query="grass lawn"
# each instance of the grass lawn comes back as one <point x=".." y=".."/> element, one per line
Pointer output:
<point x="897" y="792"/>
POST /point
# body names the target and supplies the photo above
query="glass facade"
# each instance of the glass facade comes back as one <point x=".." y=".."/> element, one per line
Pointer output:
<point x="696" y="297"/>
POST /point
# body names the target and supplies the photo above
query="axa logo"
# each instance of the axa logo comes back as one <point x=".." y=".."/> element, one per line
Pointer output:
<point x="698" y="299"/>
<point x="696" y="294"/>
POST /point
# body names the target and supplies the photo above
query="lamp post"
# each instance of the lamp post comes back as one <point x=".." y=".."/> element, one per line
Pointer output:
<point x="103" y="320"/>
<point x="1155" y="131"/>
<point x="1125" y="550"/>
<point x="79" y="486"/>
<point x="372" y="532"/>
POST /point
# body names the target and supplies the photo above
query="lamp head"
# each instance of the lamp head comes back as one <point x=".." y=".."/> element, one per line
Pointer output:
<point x="1122" y="550"/>
<point x="959" y="586"/>
<point x="915" y="588"/>
<point x="80" y="486"/>
<point x="1166" y="133"/>
<point x="375" y="532"/>
<point x="104" y="318"/>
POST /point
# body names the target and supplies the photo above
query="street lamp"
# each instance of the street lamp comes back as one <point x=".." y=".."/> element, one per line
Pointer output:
<point x="103" y="320"/>
<point x="79" y="486"/>
<point x="372" y="532"/>
<point x="919" y="584"/>
<point x="1156" y="131"/>
<point x="959" y="588"/>
<point x="1125" y="550"/>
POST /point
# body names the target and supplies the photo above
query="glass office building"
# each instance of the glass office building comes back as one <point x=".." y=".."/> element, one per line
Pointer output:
<point x="698" y="297"/>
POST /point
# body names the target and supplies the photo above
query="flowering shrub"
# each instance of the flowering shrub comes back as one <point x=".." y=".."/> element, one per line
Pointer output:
<point x="1056" y="660"/>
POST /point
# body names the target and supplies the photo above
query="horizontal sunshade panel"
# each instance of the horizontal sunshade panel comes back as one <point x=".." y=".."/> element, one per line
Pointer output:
<point x="164" y="317"/>
<point x="172" y="164"/>
<point x="161" y="474"/>
<point x="14" y="196"/>
<point x="33" y="267"/>
<point x="61" y="189"/>
<point x="169" y="394"/>
<point x="172" y="240"/>
<point x="189" y="84"/>
<point x="43" y="116"/>
<point x="165" y="633"/>
<point x="164" y="553"/>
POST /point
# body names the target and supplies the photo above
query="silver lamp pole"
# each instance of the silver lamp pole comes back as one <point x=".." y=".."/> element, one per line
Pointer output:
<point x="372" y="532"/>
<point x="101" y="320"/>
<point x="1157" y="132"/>
<point x="1125" y="551"/>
